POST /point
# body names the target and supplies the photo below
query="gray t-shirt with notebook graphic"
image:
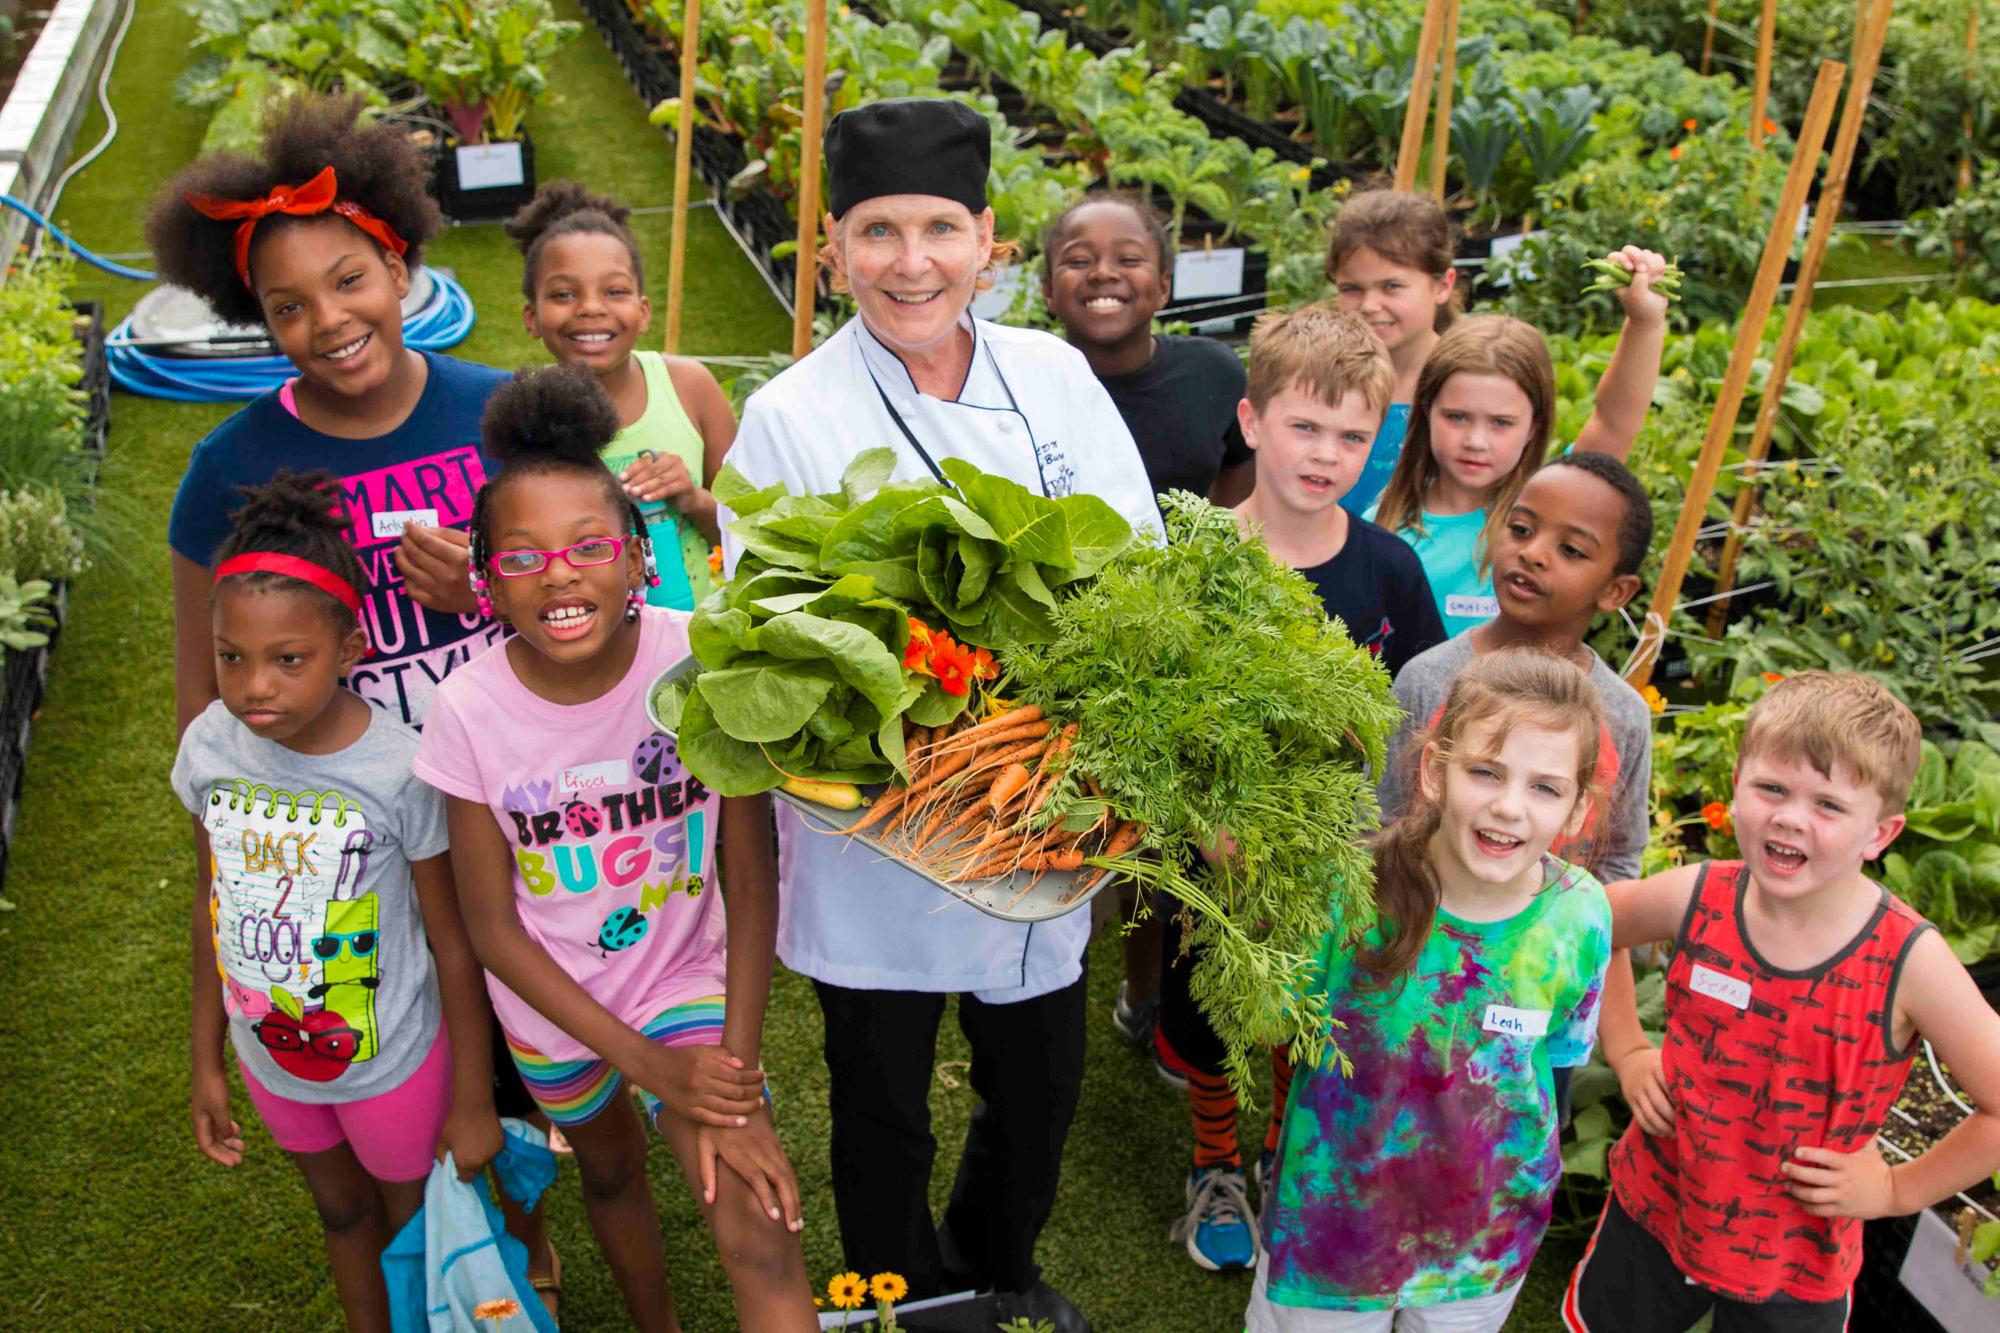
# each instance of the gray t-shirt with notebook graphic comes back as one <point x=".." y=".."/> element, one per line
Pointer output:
<point x="326" y="976"/>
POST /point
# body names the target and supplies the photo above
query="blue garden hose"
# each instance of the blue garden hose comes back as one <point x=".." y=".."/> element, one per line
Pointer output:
<point x="444" y="321"/>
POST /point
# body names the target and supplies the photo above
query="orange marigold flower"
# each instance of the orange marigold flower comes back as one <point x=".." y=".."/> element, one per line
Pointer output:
<point x="715" y="561"/>
<point x="1717" y="815"/>
<point x="847" y="1291"/>
<point x="1674" y="153"/>
<point x="1654" y="699"/>
<point x="888" y="1287"/>
<point x="1770" y="126"/>
<point x="1689" y="123"/>
<point x="1773" y="677"/>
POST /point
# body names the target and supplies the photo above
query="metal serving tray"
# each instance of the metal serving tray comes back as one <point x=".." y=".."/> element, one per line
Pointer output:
<point x="1058" y="893"/>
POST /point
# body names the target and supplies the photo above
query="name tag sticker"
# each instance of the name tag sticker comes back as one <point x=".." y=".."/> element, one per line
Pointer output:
<point x="391" y="522"/>
<point x="594" y="777"/>
<point x="1517" y="1022"/>
<point x="1457" y="604"/>
<point x="1732" y="991"/>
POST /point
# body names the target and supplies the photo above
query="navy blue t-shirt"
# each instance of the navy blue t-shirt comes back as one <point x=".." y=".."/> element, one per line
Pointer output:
<point x="427" y="470"/>
<point x="1375" y="586"/>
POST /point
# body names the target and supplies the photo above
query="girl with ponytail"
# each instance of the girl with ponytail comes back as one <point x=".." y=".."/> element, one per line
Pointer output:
<point x="327" y="941"/>
<point x="1417" y="1165"/>
<point x="586" y="858"/>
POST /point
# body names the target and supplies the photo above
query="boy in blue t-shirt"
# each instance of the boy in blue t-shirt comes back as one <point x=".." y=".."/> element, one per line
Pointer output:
<point x="1319" y="384"/>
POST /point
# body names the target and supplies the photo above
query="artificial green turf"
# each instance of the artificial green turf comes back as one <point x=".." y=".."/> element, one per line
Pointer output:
<point x="109" y="1218"/>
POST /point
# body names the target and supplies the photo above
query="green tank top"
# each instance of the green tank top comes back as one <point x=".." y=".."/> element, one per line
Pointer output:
<point x="665" y="429"/>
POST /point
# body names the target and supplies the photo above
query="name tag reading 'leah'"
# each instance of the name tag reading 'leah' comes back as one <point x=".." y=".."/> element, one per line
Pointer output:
<point x="1732" y="991"/>
<point x="1516" y="1022"/>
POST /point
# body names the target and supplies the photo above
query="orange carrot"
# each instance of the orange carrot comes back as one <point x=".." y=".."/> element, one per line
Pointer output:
<point x="884" y="804"/>
<point x="1013" y="780"/>
<point x="1123" y="839"/>
<point x="1026" y="731"/>
<point x="1011" y="720"/>
<point x="970" y="814"/>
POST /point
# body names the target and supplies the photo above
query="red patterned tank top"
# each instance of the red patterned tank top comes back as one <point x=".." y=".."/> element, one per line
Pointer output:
<point x="1761" y="1061"/>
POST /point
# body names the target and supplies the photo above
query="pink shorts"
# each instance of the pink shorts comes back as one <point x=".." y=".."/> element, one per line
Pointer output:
<point x="394" y="1133"/>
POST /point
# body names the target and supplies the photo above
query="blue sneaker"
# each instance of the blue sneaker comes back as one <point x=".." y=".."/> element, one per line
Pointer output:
<point x="1217" y="1230"/>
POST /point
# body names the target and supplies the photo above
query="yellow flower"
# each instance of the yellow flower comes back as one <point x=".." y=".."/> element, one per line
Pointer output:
<point x="888" y="1286"/>
<point x="1654" y="699"/>
<point x="504" y="1308"/>
<point x="847" y="1291"/>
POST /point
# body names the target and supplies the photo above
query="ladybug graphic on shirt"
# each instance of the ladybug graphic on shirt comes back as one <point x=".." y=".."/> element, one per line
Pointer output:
<point x="621" y="930"/>
<point x="652" y="756"/>
<point x="583" y="820"/>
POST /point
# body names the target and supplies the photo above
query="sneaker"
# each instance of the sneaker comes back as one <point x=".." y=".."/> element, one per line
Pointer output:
<point x="1135" y="1021"/>
<point x="1217" y="1230"/>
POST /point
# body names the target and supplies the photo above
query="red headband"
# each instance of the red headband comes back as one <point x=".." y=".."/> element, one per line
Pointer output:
<point x="317" y="195"/>
<point x="291" y="566"/>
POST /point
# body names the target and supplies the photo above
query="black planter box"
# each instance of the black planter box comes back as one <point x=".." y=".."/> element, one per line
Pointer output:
<point x="482" y="203"/>
<point x="24" y="672"/>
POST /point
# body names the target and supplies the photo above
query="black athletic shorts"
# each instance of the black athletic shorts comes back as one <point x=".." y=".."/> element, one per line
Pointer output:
<point x="1628" y="1283"/>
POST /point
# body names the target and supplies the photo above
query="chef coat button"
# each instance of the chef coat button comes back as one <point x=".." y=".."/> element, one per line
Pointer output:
<point x="1006" y="425"/>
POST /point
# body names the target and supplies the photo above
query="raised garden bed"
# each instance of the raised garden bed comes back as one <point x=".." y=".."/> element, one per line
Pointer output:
<point x="24" y="672"/>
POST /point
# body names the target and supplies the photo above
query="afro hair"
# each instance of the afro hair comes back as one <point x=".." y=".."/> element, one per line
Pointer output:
<point x="302" y="515"/>
<point x="552" y="419"/>
<point x="564" y="208"/>
<point x="375" y="166"/>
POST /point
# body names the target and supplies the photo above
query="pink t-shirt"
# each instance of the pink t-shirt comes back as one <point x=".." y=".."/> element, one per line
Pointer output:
<point x="613" y="840"/>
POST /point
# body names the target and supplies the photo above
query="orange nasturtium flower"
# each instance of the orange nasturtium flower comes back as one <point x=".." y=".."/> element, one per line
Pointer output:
<point x="953" y="665"/>
<point x="715" y="561"/>
<point x="983" y="665"/>
<point x="1770" y="126"/>
<point x="916" y="657"/>
<point x="1773" y="677"/>
<point x="1717" y="815"/>
<point x="1654" y="699"/>
<point x="1674" y="153"/>
<point x="1689" y="123"/>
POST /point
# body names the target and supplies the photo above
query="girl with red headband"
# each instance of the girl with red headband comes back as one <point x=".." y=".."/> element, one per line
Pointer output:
<point x="313" y="239"/>
<point x="330" y="949"/>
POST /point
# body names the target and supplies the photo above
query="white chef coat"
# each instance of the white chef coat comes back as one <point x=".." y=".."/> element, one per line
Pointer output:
<point x="1031" y="411"/>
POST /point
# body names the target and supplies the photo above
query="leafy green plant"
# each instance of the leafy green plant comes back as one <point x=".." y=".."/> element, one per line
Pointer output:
<point x="1482" y="131"/>
<point x="1555" y="129"/>
<point x="1966" y="233"/>
<point x="36" y="539"/>
<point x="24" y="612"/>
<point x="480" y="61"/>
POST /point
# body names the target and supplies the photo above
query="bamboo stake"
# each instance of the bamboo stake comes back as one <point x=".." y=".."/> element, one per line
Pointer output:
<point x="1971" y="72"/>
<point x="1708" y="38"/>
<point x="1412" y="145"/>
<point x="813" y="93"/>
<point x="1441" y="132"/>
<point x="1760" y="93"/>
<point x="683" y="158"/>
<point x="1750" y="333"/>
<point x="1867" y="56"/>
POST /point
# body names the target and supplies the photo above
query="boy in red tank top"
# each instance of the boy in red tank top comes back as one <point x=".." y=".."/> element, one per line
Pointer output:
<point x="1797" y="993"/>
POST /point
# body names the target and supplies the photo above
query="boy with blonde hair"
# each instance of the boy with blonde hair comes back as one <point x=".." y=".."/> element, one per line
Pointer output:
<point x="1319" y="384"/>
<point x="1797" y="993"/>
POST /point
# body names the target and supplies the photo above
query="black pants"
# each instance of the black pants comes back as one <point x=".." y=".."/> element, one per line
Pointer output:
<point x="1183" y="1027"/>
<point x="1027" y="1070"/>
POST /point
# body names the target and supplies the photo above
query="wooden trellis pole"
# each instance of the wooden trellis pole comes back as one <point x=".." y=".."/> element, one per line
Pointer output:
<point x="1708" y="38"/>
<point x="813" y="93"/>
<point x="1722" y="424"/>
<point x="1971" y="73"/>
<point x="1760" y="92"/>
<point x="1867" y="57"/>
<point x="683" y="158"/>
<point x="1447" y="77"/>
<point x="1412" y="146"/>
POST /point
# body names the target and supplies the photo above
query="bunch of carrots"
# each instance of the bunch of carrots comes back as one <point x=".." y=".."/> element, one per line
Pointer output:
<point x="975" y="806"/>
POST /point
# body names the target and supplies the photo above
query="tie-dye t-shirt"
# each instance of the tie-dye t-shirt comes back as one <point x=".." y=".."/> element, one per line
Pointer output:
<point x="1425" y="1175"/>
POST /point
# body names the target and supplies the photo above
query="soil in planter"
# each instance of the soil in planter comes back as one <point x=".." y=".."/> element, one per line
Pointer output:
<point x="21" y="23"/>
<point x="1935" y="1116"/>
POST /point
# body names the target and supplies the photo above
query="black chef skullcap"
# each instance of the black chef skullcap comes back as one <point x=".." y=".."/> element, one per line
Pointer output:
<point x="908" y="145"/>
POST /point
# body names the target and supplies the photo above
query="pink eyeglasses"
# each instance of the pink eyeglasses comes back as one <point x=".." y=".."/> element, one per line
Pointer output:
<point x="594" y="551"/>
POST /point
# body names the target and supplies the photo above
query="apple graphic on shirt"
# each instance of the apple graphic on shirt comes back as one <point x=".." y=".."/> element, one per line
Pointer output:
<point x="304" y="1062"/>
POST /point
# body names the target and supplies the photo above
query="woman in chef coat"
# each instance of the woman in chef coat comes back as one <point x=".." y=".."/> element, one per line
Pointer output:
<point x="910" y="236"/>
